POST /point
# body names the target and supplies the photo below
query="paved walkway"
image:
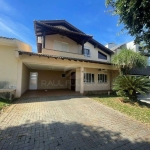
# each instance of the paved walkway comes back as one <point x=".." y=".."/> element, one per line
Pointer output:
<point x="69" y="123"/>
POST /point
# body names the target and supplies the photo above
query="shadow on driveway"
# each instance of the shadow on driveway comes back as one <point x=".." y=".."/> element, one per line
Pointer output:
<point x="45" y="99"/>
<point x="65" y="136"/>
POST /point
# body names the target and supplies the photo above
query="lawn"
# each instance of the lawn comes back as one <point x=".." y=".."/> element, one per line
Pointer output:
<point x="136" y="111"/>
<point x="3" y="103"/>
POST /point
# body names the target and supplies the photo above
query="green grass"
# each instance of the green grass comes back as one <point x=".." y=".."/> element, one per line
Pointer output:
<point x="137" y="111"/>
<point x="3" y="103"/>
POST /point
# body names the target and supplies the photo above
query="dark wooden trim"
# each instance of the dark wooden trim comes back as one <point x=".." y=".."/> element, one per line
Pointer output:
<point x="83" y="47"/>
<point x="95" y="46"/>
<point x="44" y="39"/>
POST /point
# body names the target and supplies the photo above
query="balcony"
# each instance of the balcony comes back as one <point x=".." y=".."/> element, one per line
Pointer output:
<point x="62" y="53"/>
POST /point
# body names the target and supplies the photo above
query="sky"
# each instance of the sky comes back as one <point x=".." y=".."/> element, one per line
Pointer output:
<point x="90" y="16"/>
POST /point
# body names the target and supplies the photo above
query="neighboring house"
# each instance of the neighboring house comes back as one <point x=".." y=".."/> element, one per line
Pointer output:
<point x="136" y="48"/>
<point x="129" y="45"/>
<point x="67" y="58"/>
<point x="9" y="62"/>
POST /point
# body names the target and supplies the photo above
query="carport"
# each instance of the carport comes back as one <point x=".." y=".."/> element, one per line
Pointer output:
<point x="43" y="79"/>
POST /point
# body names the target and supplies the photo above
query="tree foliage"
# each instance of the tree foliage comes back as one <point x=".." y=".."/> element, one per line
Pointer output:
<point x="127" y="59"/>
<point x="135" y="15"/>
<point x="130" y="86"/>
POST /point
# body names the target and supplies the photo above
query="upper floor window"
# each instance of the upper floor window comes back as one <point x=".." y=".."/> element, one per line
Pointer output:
<point x="61" y="46"/>
<point x="88" y="78"/>
<point x="87" y="52"/>
<point x="102" y="56"/>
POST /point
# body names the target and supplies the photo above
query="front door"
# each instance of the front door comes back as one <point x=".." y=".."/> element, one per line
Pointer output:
<point x="73" y="81"/>
<point x="33" y="80"/>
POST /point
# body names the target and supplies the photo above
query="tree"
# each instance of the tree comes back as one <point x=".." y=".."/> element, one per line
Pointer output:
<point x="130" y="86"/>
<point x="127" y="59"/>
<point x="135" y="15"/>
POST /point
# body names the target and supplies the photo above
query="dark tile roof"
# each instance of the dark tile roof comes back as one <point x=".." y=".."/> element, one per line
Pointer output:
<point x="66" y="24"/>
<point x="61" y="57"/>
<point x="54" y="27"/>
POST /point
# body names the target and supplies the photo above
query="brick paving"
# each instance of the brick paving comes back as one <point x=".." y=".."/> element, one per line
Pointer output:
<point x="69" y="123"/>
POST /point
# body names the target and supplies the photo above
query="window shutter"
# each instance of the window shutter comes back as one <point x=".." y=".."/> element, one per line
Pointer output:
<point x="57" y="45"/>
<point x="65" y="47"/>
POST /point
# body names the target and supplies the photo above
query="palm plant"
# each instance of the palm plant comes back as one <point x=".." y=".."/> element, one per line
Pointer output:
<point x="127" y="59"/>
<point x="130" y="86"/>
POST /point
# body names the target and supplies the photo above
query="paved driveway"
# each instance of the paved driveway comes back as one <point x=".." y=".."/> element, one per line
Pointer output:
<point x="69" y="123"/>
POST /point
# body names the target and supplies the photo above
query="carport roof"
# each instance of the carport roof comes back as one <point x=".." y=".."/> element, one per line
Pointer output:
<point x="61" y="57"/>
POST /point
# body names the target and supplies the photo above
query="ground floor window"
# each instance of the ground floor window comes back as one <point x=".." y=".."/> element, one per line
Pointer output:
<point x="102" y="78"/>
<point x="88" y="78"/>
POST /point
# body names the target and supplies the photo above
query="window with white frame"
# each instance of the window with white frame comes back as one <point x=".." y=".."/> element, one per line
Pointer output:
<point x="87" y="52"/>
<point x="102" y="78"/>
<point x="61" y="46"/>
<point x="88" y="78"/>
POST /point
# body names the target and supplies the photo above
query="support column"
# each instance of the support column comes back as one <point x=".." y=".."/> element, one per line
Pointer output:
<point x="19" y="79"/>
<point x="82" y="47"/>
<point x="44" y="39"/>
<point x="82" y="80"/>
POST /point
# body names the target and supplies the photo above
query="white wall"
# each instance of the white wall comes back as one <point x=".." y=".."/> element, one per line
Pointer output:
<point x="8" y="67"/>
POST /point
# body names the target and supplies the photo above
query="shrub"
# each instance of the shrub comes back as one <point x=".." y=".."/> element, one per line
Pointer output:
<point x="127" y="59"/>
<point x="129" y="87"/>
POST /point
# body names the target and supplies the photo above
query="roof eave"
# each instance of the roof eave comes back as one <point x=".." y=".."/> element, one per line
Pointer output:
<point x="61" y="57"/>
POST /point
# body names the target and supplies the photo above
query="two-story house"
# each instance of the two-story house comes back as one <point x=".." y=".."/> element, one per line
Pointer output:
<point x="66" y="58"/>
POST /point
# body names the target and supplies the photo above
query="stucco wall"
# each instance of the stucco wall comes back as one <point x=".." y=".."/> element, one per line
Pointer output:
<point x="48" y="79"/>
<point x="25" y="78"/>
<point x="8" y="67"/>
<point x="73" y="46"/>
<point x="23" y="46"/>
<point x="75" y="50"/>
<point x="93" y="86"/>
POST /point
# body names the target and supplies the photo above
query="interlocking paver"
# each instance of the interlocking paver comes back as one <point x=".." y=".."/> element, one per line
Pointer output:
<point x="69" y="123"/>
